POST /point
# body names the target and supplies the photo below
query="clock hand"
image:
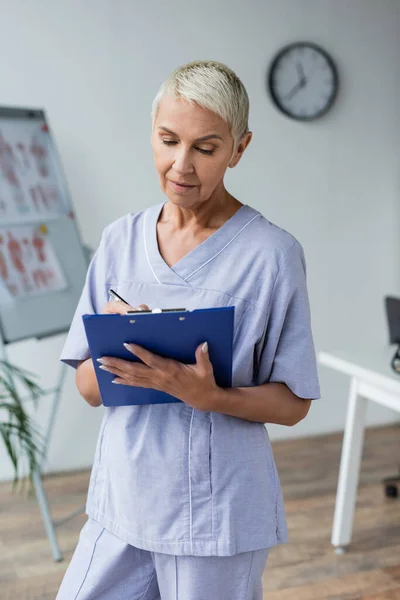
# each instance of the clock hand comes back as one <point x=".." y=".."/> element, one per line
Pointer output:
<point x="294" y="90"/>
<point x="301" y="83"/>
<point x="300" y="71"/>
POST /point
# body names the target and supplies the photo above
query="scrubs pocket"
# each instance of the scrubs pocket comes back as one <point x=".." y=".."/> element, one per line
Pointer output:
<point x="200" y="472"/>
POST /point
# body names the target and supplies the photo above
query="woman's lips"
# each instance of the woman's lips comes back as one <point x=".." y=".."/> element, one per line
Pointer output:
<point x="181" y="188"/>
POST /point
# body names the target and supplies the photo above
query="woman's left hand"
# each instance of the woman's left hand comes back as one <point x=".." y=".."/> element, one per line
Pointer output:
<point x="193" y="384"/>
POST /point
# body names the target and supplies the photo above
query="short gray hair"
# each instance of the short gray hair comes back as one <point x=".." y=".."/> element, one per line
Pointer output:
<point x="213" y="86"/>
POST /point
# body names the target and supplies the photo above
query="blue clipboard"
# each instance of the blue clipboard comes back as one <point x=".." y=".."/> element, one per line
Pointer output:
<point x="171" y="334"/>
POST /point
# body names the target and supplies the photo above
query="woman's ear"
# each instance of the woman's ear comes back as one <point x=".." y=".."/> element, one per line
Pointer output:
<point x="241" y="147"/>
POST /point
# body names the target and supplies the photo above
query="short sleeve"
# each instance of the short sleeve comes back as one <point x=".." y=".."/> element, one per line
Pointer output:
<point x="92" y="300"/>
<point x="287" y="353"/>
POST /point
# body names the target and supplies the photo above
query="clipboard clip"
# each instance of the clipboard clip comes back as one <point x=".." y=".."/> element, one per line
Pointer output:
<point x="155" y="311"/>
<point x="119" y="298"/>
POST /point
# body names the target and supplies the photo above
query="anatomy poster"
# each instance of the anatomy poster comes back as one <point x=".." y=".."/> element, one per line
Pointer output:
<point x="28" y="263"/>
<point x="30" y="185"/>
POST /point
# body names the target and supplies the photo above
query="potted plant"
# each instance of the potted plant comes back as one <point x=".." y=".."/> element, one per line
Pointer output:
<point x="20" y="436"/>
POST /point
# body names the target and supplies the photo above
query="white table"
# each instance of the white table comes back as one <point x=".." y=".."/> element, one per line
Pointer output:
<point x="371" y="379"/>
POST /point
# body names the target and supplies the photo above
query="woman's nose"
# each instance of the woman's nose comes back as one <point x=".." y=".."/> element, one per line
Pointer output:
<point x="183" y="163"/>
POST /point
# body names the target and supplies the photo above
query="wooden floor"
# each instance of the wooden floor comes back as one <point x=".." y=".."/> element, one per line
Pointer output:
<point x="304" y="569"/>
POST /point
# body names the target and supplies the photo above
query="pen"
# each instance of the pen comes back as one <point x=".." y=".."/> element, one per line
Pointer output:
<point x="119" y="298"/>
<point x="116" y="297"/>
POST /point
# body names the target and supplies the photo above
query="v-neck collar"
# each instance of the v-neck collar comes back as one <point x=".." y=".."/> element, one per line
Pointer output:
<point x="181" y="272"/>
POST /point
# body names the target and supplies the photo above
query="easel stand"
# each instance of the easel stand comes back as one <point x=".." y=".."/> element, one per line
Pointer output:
<point x="53" y="243"/>
<point x="49" y="523"/>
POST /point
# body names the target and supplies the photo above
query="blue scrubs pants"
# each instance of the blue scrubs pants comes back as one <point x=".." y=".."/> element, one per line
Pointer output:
<point x="104" y="567"/>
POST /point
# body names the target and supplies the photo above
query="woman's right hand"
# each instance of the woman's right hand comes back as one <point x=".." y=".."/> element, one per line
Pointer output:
<point x="116" y="307"/>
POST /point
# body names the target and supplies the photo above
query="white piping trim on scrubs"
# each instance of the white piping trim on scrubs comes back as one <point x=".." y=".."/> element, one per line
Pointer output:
<point x="90" y="563"/>
<point x="249" y="576"/>
<point x="190" y="484"/>
<point x="145" y="245"/>
<point x="176" y="578"/>
<point x="222" y="249"/>
<point x="148" y="586"/>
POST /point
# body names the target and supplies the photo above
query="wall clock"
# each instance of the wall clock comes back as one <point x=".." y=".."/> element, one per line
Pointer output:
<point x="303" y="81"/>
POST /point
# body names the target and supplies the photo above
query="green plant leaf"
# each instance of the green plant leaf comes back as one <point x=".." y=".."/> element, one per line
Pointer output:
<point x="20" y="436"/>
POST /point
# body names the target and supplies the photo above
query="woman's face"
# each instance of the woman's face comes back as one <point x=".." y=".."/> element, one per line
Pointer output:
<point x="192" y="150"/>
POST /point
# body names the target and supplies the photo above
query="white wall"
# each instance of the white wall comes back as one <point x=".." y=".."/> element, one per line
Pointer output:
<point x="95" y="67"/>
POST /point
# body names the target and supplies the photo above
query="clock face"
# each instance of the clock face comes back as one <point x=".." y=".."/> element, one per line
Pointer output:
<point x="303" y="81"/>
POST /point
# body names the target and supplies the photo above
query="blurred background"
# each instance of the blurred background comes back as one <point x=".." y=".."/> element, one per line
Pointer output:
<point x="95" y="67"/>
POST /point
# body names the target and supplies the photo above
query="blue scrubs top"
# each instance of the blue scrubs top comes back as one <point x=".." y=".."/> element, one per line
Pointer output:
<point x="169" y="478"/>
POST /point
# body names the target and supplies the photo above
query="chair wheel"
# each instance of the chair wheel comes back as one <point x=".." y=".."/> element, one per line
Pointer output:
<point x="391" y="491"/>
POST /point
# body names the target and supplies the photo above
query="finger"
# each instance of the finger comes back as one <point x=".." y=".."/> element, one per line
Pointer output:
<point x="124" y="366"/>
<point x="142" y="307"/>
<point x="139" y="308"/>
<point x="132" y="376"/>
<point x="203" y="357"/>
<point x="114" y="371"/>
<point x="116" y="308"/>
<point x="144" y="384"/>
<point x="149" y="359"/>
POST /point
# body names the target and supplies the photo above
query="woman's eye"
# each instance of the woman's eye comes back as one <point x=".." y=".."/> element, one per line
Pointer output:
<point x="201" y="150"/>
<point x="208" y="152"/>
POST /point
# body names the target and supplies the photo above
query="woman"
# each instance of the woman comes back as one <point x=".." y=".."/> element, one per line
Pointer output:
<point x="184" y="499"/>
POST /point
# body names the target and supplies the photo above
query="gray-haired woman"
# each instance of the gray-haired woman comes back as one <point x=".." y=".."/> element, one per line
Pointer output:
<point x="184" y="500"/>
